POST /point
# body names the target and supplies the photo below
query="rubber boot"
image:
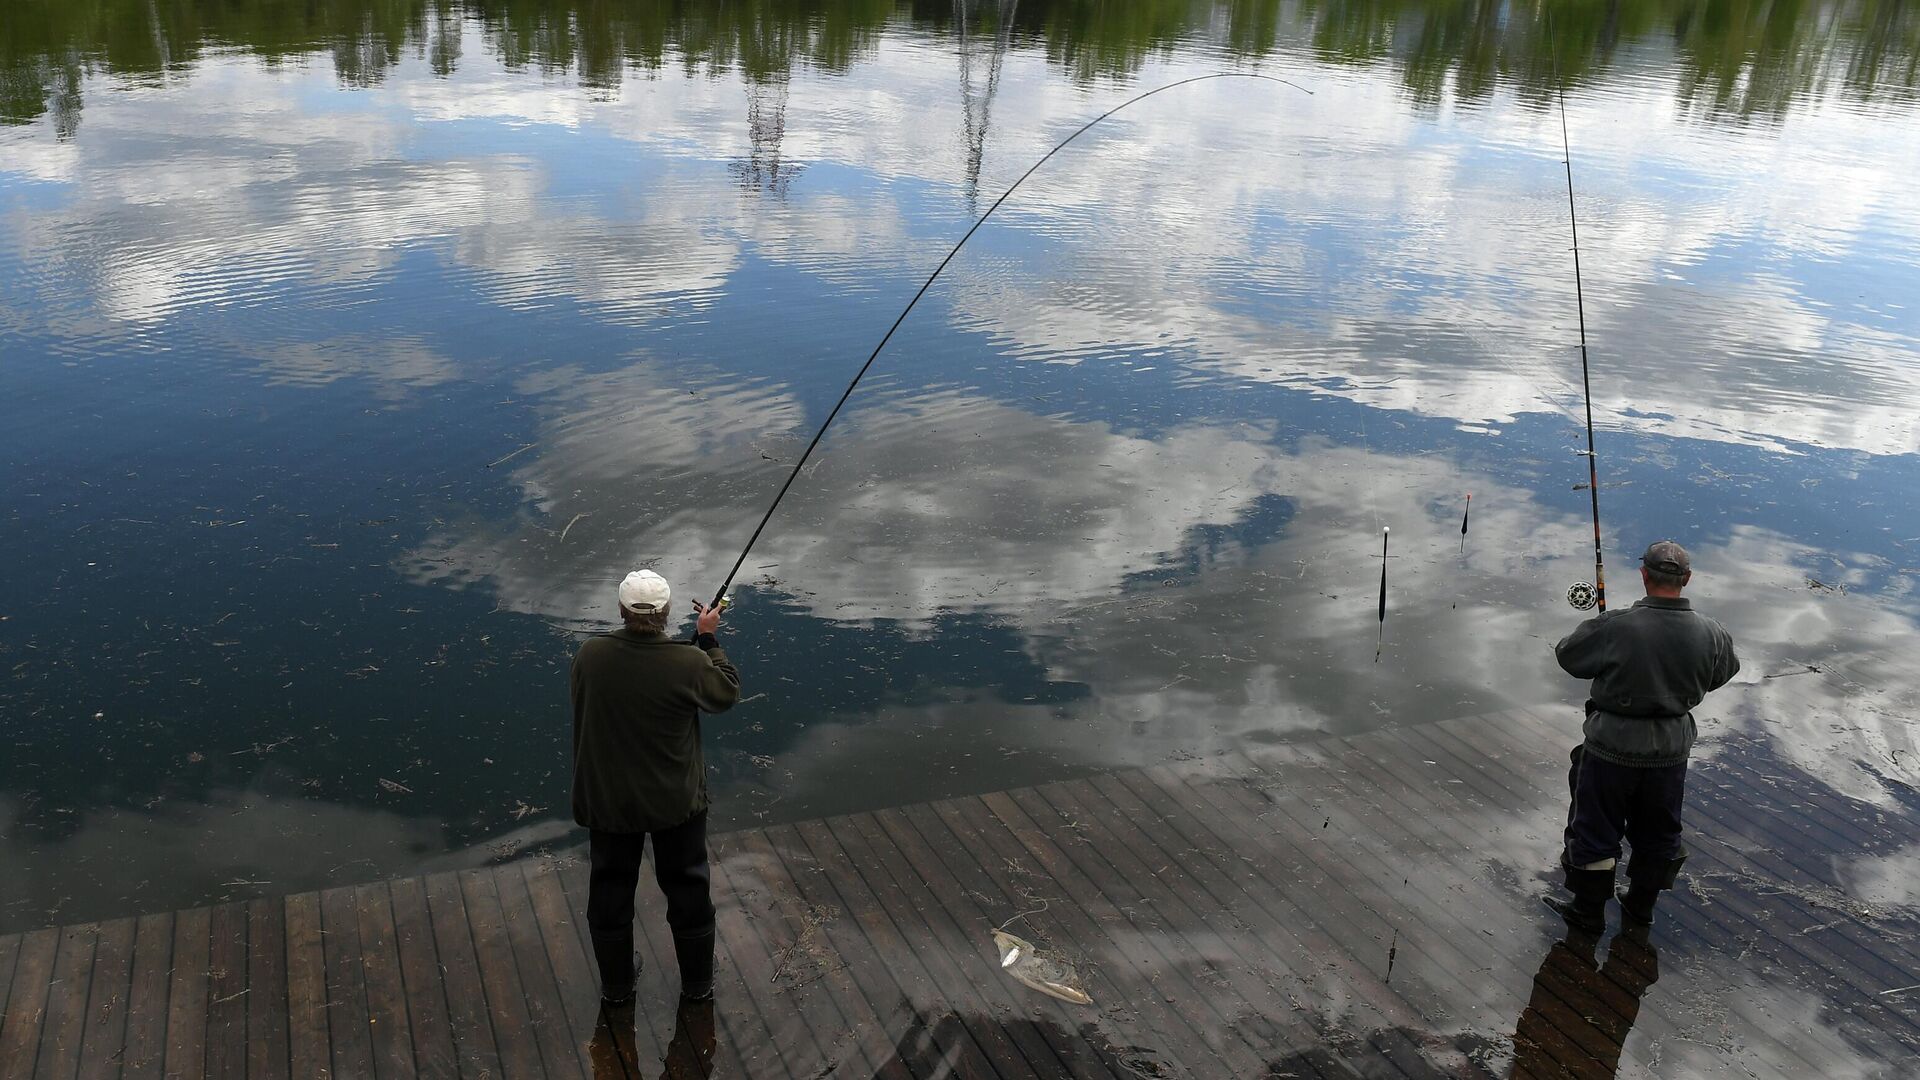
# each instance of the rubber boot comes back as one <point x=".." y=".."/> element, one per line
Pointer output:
<point x="1587" y="911"/>
<point x="695" y="955"/>
<point x="1644" y="886"/>
<point x="619" y="965"/>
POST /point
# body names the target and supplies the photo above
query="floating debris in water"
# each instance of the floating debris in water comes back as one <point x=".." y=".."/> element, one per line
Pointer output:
<point x="502" y="461"/>
<point x="1049" y="975"/>
<point x="1463" y="523"/>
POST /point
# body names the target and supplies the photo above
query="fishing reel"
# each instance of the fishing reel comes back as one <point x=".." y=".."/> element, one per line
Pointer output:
<point x="1582" y="595"/>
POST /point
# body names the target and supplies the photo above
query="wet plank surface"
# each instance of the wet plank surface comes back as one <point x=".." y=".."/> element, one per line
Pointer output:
<point x="1360" y="906"/>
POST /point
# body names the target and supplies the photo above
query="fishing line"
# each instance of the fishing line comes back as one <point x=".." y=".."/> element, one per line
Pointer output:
<point x="720" y="594"/>
<point x="1575" y="595"/>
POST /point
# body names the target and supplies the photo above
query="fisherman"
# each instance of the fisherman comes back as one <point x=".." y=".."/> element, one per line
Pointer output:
<point x="1650" y="665"/>
<point x="638" y="771"/>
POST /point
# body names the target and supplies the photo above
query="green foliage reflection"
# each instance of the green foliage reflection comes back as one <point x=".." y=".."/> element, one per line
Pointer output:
<point x="1729" y="58"/>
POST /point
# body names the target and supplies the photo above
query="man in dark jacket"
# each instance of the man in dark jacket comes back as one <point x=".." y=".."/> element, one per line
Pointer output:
<point x="639" y="771"/>
<point x="1650" y="665"/>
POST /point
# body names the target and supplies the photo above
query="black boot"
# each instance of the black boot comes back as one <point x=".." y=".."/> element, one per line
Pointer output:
<point x="619" y="965"/>
<point x="1644" y="885"/>
<point x="695" y="955"/>
<point x="1587" y="911"/>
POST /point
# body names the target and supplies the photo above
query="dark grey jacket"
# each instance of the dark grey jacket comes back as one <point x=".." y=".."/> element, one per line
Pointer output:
<point x="1650" y="665"/>
<point x="638" y="765"/>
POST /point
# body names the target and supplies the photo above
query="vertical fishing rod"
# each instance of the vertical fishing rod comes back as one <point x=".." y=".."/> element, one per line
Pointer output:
<point x="1586" y="380"/>
<point x="720" y="594"/>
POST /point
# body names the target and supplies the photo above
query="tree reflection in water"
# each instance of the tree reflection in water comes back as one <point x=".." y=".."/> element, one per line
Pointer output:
<point x="1741" y="59"/>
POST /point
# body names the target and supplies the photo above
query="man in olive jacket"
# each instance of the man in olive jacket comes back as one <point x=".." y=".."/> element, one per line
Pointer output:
<point x="1650" y="665"/>
<point x="639" y="771"/>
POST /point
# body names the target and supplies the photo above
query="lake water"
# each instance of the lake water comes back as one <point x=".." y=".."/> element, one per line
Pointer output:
<point x="350" y="355"/>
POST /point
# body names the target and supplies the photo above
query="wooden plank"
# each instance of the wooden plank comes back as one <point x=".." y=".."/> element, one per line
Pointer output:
<point x="647" y="1042"/>
<point x="1564" y="999"/>
<point x="309" y="1045"/>
<point x="744" y="1045"/>
<point x="1858" y="956"/>
<point x="267" y="1000"/>
<point x="1091" y="881"/>
<point x="1542" y="1043"/>
<point x="552" y="1029"/>
<point x="27" y="1002"/>
<point x="506" y="1001"/>
<point x="1420" y="820"/>
<point x="567" y="956"/>
<point x="763" y="1034"/>
<point x="1423" y="807"/>
<point x="187" y="993"/>
<point x="845" y="1028"/>
<point x="1137" y="989"/>
<point x="1690" y="925"/>
<point x="9" y="957"/>
<point x="227" y="993"/>
<point x="66" y="1010"/>
<point x="104" y="1042"/>
<point x="1275" y="926"/>
<point x="1348" y="850"/>
<point x="862" y="989"/>
<point x="883" y="969"/>
<point x="1801" y="842"/>
<point x="1675" y="918"/>
<point x="147" y="1001"/>
<point x="1454" y="903"/>
<point x="907" y="954"/>
<point x="1824" y="948"/>
<point x="468" y="1020"/>
<point x="1073" y="813"/>
<point x="348" y="1032"/>
<point x="928" y="926"/>
<point x="388" y="1026"/>
<point x="426" y="994"/>
<point x="1271" y="833"/>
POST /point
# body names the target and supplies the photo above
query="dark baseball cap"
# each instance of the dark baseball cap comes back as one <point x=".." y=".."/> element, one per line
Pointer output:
<point x="1668" y="558"/>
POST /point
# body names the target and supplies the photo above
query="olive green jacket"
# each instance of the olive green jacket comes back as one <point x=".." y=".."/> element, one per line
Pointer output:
<point x="637" y="698"/>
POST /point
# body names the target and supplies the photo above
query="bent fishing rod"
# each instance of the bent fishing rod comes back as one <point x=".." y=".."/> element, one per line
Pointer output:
<point x="720" y="595"/>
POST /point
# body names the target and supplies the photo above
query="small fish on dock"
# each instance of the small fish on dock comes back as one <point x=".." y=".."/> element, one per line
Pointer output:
<point x="1052" y="977"/>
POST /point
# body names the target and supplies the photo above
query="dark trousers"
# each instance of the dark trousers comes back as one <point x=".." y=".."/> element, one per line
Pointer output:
<point x="680" y="867"/>
<point x="1612" y="802"/>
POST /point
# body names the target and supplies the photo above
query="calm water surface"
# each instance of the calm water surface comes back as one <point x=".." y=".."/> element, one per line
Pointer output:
<point x="350" y="358"/>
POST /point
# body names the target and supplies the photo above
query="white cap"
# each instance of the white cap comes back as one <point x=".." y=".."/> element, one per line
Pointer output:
<point x="644" y="592"/>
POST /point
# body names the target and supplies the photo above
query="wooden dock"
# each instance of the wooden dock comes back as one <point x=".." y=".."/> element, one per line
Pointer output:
<point x="1357" y="907"/>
